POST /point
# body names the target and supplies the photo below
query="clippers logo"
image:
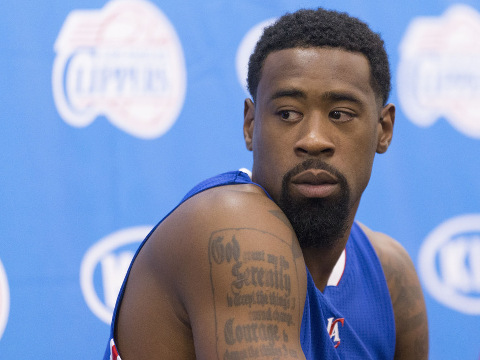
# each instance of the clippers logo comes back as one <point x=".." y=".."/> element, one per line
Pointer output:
<point x="125" y="62"/>
<point x="104" y="267"/>
<point x="439" y="72"/>
<point x="333" y="330"/>
<point x="4" y="299"/>
<point x="449" y="263"/>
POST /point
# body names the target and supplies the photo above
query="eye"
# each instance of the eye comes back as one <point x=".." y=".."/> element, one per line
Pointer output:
<point x="341" y="116"/>
<point x="289" y="115"/>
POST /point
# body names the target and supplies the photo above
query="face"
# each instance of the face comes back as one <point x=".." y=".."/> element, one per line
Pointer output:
<point x="316" y="126"/>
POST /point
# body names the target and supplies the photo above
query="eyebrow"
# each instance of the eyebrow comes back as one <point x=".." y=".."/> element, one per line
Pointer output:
<point x="341" y="96"/>
<point x="293" y="93"/>
<point x="332" y="96"/>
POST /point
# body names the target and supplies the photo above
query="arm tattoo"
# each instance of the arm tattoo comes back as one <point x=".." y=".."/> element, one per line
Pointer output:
<point x="407" y="300"/>
<point x="260" y="286"/>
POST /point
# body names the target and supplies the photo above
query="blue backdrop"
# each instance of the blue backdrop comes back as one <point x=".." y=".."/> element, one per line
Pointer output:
<point x="111" y="110"/>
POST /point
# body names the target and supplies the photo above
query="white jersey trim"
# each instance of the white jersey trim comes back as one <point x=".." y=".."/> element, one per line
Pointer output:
<point x="338" y="270"/>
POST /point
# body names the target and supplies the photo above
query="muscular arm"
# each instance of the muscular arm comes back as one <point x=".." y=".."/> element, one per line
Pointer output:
<point x="407" y="298"/>
<point x="232" y="283"/>
<point x="256" y="300"/>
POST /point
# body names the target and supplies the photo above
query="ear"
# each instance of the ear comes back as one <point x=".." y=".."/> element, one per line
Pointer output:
<point x="385" y="124"/>
<point x="248" y="123"/>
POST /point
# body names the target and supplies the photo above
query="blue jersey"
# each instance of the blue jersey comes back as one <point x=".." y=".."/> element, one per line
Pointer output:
<point x="351" y="319"/>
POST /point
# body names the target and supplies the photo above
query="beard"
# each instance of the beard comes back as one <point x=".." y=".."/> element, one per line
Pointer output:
<point x="317" y="222"/>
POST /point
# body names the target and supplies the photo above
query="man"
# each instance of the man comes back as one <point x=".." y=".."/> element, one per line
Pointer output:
<point x="275" y="266"/>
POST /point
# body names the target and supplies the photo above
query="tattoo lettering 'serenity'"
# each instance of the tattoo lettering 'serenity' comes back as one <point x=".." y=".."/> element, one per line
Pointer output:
<point x="260" y="285"/>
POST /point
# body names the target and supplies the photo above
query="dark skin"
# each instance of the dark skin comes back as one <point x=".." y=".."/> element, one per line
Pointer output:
<point x="198" y="287"/>
<point x="407" y="298"/>
<point x="317" y="104"/>
<point x="191" y="285"/>
<point x="329" y="111"/>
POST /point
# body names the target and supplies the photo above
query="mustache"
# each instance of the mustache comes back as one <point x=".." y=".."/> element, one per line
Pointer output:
<point x="314" y="164"/>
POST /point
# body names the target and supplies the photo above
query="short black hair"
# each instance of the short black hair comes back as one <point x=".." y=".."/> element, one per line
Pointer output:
<point x="322" y="28"/>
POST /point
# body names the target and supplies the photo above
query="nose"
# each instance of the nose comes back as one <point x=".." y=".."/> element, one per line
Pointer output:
<point x="315" y="138"/>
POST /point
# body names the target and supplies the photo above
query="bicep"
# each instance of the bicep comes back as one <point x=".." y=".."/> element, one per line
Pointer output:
<point x="253" y="292"/>
<point x="410" y="312"/>
<point x="411" y="322"/>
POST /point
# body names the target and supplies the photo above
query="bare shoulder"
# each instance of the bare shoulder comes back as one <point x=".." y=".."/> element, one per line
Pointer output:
<point x="406" y="294"/>
<point x="227" y="280"/>
<point x="387" y="248"/>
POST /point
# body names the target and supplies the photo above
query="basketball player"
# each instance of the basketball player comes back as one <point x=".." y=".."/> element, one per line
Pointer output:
<point x="274" y="266"/>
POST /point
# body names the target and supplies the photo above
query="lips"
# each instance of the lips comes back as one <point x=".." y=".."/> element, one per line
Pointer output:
<point x="314" y="177"/>
<point x="314" y="183"/>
